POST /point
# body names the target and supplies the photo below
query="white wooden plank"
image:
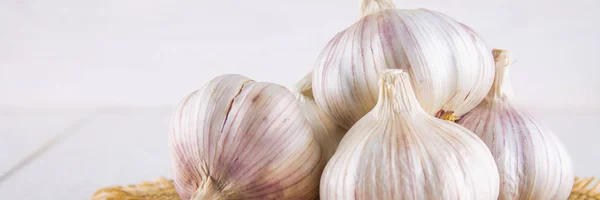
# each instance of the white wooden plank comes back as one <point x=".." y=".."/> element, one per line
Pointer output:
<point x="114" y="148"/>
<point x="23" y="131"/>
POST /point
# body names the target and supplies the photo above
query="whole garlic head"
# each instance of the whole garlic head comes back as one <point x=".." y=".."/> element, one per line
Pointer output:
<point x="327" y="133"/>
<point x="240" y="139"/>
<point x="398" y="151"/>
<point x="450" y="66"/>
<point x="532" y="162"/>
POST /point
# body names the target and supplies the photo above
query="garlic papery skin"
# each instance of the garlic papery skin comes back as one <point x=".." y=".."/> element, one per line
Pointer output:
<point x="532" y="162"/>
<point x="327" y="133"/>
<point x="450" y="66"/>
<point x="398" y="151"/>
<point x="240" y="139"/>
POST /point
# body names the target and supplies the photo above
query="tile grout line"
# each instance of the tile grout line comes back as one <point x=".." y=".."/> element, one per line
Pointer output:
<point x="57" y="138"/>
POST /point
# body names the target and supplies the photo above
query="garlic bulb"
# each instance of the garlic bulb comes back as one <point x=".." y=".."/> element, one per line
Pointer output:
<point x="532" y="162"/>
<point x="450" y="66"/>
<point x="327" y="133"/>
<point x="240" y="139"/>
<point x="398" y="151"/>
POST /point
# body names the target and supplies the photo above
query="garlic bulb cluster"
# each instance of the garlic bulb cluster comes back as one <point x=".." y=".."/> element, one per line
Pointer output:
<point x="450" y="66"/>
<point x="327" y="133"/>
<point x="373" y="120"/>
<point x="532" y="162"/>
<point x="398" y="151"/>
<point x="240" y="139"/>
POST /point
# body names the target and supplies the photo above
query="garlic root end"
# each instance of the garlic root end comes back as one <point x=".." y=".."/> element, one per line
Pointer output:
<point x="209" y="190"/>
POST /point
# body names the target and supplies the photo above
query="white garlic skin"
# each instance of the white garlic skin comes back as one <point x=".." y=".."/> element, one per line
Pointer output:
<point x="450" y="66"/>
<point x="532" y="162"/>
<point x="398" y="151"/>
<point x="240" y="139"/>
<point x="327" y="133"/>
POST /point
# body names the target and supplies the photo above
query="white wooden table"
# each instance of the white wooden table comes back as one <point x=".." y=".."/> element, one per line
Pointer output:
<point x="115" y="146"/>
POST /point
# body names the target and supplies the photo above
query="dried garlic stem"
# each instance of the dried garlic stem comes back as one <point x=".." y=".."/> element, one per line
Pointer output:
<point x="501" y="88"/>
<point x="398" y="95"/>
<point x="304" y="86"/>
<point x="372" y="6"/>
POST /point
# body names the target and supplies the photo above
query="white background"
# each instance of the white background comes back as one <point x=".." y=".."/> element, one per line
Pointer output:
<point x="122" y="65"/>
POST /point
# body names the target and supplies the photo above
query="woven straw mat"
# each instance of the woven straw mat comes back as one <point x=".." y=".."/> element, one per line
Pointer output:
<point x="162" y="189"/>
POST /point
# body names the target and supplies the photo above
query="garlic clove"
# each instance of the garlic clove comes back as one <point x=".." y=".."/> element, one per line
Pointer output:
<point x="450" y="66"/>
<point x="398" y="151"/>
<point x="327" y="133"/>
<point x="532" y="162"/>
<point x="240" y="139"/>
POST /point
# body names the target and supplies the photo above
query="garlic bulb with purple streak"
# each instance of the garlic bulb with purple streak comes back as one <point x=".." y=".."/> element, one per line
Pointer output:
<point x="532" y="162"/>
<point x="450" y="66"/>
<point x="398" y="151"/>
<point x="240" y="139"/>
<point x="327" y="133"/>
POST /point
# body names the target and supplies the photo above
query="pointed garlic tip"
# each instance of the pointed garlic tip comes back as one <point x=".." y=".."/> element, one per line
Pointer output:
<point x="373" y="6"/>
<point x="501" y="88"/>
<point x="501" y="57"/>
<point x="304" y="86"/>
<point x="392" y="77"/>
<point x="396" y="92"/>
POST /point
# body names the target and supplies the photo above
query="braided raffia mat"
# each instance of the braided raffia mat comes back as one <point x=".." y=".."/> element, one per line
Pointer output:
<point x="162" y="189"/>
<point x="585" y="189"/>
